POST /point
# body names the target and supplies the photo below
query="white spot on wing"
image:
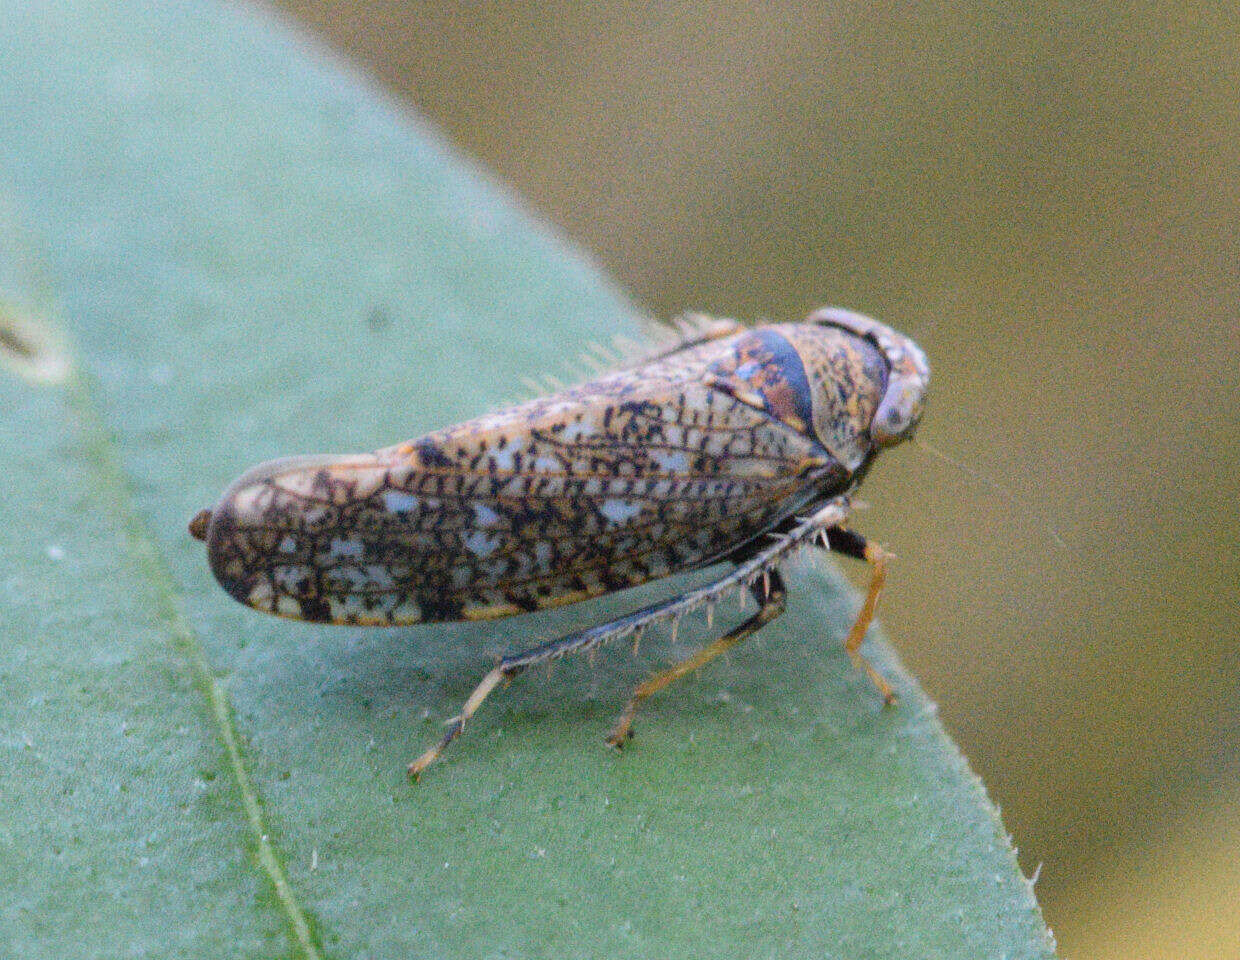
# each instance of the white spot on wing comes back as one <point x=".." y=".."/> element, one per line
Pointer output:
<point x="673" y="461"/>
<point x="407" y="612"/>
<point x="260" y="595"/>
<point x="619" y="511"/>
<point x="480" y="544"/>
<point x="354" y="579"/>
<point x="288" y="576"/>
<point x="485" y="516"/>
<point x="504" y="455"/>
<point x="577" y="429"/>
<point x="379" y="576"/>
<point x="397" y="501"/>
<point x="342" y="548"/>
<point x="314" y="513"/>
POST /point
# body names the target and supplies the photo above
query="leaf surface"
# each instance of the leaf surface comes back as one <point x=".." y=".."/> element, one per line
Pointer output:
<point x="251" y="253"/>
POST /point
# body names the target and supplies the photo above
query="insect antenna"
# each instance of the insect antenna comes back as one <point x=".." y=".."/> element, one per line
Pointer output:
<point x="997" y="487"/>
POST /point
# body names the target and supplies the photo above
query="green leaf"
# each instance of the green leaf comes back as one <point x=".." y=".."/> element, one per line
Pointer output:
<point x="247" y="253"/>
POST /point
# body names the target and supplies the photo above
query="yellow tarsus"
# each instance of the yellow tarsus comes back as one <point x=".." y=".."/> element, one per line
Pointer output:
<point x="878" y="558"/>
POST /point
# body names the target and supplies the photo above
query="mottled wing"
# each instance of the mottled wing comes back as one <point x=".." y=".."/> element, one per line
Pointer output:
<point x="630" y="477"/>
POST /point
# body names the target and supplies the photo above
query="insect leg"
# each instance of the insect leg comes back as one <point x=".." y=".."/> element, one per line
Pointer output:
<point x="752" y="569"/>
<point x="770" y="594"/>
<point x="629" y="625"/>
<point x="457" y="723"/>
<point x="854" y="545"/>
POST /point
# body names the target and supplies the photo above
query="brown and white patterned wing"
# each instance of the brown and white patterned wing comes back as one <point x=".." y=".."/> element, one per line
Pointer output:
<point x="628" y="478"/>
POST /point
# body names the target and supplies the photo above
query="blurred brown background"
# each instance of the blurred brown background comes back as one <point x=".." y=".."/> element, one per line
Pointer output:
<point x="1046" y="195"/>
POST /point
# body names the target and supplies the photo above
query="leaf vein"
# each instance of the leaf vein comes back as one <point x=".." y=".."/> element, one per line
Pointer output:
<point x="145" y="553"/>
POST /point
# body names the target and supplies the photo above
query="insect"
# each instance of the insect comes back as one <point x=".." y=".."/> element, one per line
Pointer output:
<point x="732" y="445"/>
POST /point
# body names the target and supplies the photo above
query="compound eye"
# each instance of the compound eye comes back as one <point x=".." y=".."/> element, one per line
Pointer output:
<point x="899" y="412"/>
<point x="905" y="400"/>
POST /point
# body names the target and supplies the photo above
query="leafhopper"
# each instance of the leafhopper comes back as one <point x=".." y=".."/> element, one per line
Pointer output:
<point x="732" y="447"/>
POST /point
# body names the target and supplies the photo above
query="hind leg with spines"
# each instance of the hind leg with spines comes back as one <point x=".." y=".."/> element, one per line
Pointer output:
<point x="755" y="570"/>
<point x="771" y="597"/>
<point x="768" y="585"/>
<point x="629" y="625"/>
